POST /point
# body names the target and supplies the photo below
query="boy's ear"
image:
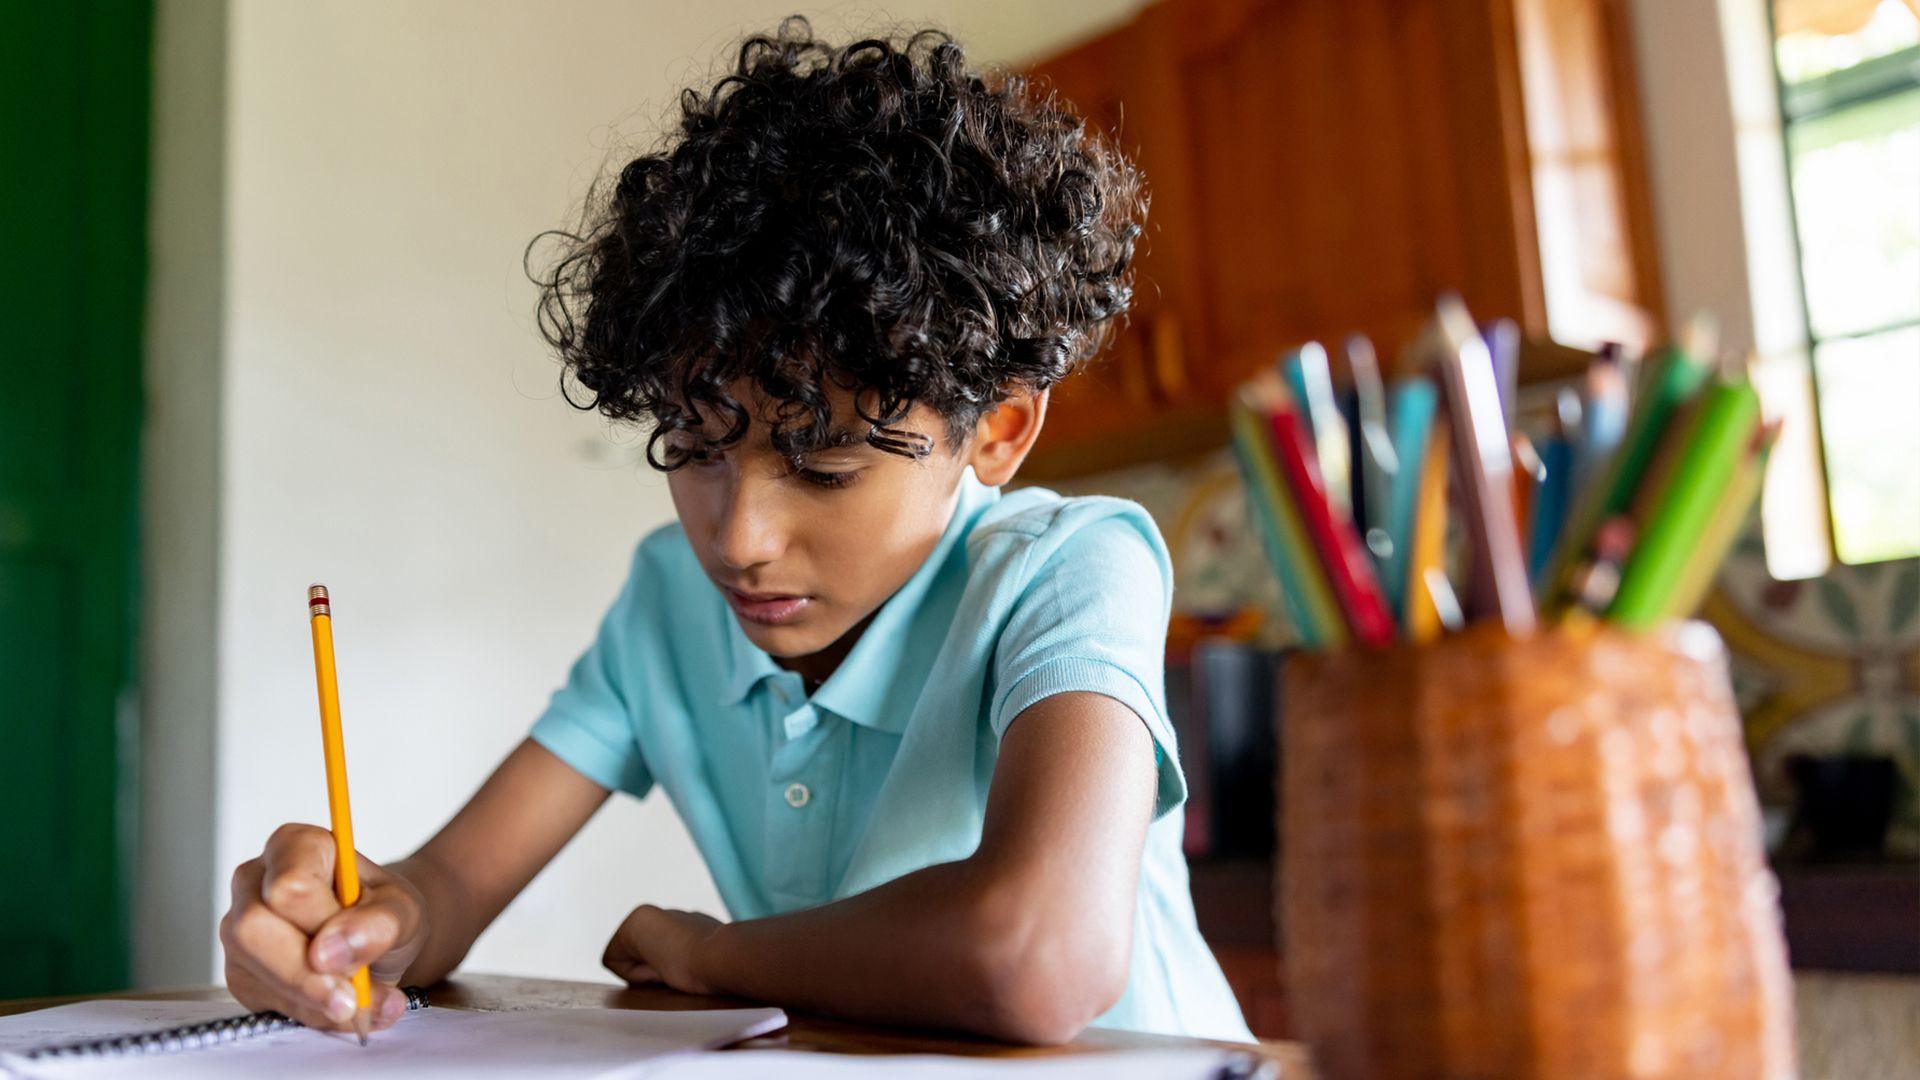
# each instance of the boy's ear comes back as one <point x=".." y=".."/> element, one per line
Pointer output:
<point x="1001" y="441"/>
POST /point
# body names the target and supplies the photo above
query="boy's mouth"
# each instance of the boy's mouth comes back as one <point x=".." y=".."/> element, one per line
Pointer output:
<point x="767" y="609"/>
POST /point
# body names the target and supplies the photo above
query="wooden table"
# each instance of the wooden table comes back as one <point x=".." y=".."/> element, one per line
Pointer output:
<point x="1849" y="1025"/>
<point x="506" y="993"/>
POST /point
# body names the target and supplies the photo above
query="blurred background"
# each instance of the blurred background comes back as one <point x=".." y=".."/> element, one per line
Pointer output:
<point x="266" y="324"/>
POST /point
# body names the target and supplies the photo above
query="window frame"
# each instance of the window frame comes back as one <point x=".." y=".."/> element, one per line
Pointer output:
<point x="1837" y="91"/>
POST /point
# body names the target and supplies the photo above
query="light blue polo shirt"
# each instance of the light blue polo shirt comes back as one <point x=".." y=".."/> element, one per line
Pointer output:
<point x="798" y="801"/>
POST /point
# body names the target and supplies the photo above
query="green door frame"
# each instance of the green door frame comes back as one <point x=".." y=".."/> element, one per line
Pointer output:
<point x="75" y="85"/>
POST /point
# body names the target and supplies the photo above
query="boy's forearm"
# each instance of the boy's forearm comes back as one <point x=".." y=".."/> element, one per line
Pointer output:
<point x="450" y="929"/>
<point x="477" y="863"/>
<point x="1029" y="939"/>
<point x="949" y="946"/>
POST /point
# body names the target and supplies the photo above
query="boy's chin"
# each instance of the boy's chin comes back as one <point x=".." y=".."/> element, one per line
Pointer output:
<point x="788" y="641"/>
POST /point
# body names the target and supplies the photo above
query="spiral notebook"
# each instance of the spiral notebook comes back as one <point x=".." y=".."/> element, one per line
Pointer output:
<point x="162" y="1039"/>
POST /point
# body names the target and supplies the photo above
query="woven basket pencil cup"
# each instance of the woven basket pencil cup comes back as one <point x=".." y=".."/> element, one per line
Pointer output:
<point x="1528" y="858"/>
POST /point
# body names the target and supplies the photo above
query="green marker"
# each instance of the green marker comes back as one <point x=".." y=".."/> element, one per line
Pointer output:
<point x="1720" y="440"/>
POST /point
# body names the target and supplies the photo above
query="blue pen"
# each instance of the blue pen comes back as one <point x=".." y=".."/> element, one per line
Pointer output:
<point x="1603" y="420"/>
<point x="1549" y="506"/>
<point x="1554" y="499"/>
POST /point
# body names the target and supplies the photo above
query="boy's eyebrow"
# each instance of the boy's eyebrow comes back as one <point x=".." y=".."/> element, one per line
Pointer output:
<point x="911" y="443"/>
<point x="843" y="439"/>
<point x="796" y="445"/>
<point x="892" y="440"/>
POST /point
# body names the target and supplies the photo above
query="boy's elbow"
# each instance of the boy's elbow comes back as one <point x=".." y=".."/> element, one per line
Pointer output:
<point x="1043" y="983"/>
<point x="1037" y="1011"/>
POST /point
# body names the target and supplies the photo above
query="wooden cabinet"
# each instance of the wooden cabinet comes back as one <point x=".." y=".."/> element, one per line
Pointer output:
<point x="1324" y="167"/>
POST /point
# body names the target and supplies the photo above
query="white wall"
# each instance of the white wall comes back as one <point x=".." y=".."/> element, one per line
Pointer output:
<point x="1717" y="175"/>
<point x="389" y="423"/>
<point x="173" y="886"/>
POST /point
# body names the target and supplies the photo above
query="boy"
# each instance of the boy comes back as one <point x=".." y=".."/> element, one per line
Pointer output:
<point x="914" y="726"/>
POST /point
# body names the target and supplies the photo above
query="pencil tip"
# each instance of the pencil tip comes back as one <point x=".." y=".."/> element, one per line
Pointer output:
<point x="361" y="1022"/>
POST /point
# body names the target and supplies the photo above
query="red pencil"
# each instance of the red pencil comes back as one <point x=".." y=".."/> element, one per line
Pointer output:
<point x="1348" y="570"/>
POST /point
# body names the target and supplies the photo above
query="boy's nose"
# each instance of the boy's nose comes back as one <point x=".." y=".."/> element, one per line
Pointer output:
<point x="749" y="532"/>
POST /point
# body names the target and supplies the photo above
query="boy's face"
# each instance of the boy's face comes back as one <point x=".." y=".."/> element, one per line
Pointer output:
<point x="803" y="557"/>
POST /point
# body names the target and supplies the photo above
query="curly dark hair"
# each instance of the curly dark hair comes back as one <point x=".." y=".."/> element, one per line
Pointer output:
<point x="873" y="216"/>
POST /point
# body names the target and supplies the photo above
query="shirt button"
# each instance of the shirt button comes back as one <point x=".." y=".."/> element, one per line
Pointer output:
<point x="798" y="795"/>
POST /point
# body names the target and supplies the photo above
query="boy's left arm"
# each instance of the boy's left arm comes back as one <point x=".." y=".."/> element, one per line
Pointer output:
<point x="1029" y="939"/>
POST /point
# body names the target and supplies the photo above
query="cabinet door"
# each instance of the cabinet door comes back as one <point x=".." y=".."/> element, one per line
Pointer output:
<point x="1119" y="391"/>
<point x="1355" y="158"/>
<point x="1327" y="167"/>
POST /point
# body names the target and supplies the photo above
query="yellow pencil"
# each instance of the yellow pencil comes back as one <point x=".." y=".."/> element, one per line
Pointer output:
<point x="347" y="869"/>
<point x="1429" y="541"/>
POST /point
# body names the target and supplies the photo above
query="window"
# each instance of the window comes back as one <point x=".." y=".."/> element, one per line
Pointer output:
<point x="1849" y="83"/>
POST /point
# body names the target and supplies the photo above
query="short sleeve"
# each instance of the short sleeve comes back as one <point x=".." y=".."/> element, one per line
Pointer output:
<point x="589" y="723"/>
<point x="1093" y="618"/>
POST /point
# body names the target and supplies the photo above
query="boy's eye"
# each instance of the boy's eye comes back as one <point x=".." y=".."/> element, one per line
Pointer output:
<point x="825" y="479"/>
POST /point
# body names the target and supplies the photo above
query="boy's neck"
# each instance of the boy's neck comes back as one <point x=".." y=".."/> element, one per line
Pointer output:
<point x="815" y="668"/>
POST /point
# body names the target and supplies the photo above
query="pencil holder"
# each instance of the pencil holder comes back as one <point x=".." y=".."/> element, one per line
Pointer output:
<point x="1528" y="858"/>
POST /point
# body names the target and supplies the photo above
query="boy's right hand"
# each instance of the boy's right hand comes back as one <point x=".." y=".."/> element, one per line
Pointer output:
<point x="290" y="946"/>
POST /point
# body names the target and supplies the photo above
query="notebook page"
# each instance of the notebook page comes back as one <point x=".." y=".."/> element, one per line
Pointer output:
<point x="431" y="1044"/>
<point x="1197" y="1064"/>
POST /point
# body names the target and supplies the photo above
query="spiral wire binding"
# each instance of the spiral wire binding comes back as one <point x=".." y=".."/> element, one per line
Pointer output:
<point x="199" y="1036"/>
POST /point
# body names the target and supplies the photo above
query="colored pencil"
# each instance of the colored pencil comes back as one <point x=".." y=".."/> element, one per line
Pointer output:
<point x="1497" y="586"/>
<point x="1719" y="439"/>
<point x="1549" y="503"/>
<point x="1622" y="509"/>
<point x="1446" y="605"/>
<point x="1309" y="378"/>
<point x="1670" y="379"/>
<point x="1730" y="516"/>
<point x="1603" y="419"/>
<point x="1341" y="555"/>
<point x="1303" y="587"/>
<point x="1376" y="461"/>
<point x="1658" y="476"/>
<point x="1427" y="542"/>
<point x="1503" y="348"/>
<point x="1410" y="408"/>
<point x="1529" y="472"/>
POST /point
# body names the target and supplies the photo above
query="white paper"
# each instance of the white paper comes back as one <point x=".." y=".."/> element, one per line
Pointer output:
<point x="1105" y="1065"/>
<point x="425" y="1045"/>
